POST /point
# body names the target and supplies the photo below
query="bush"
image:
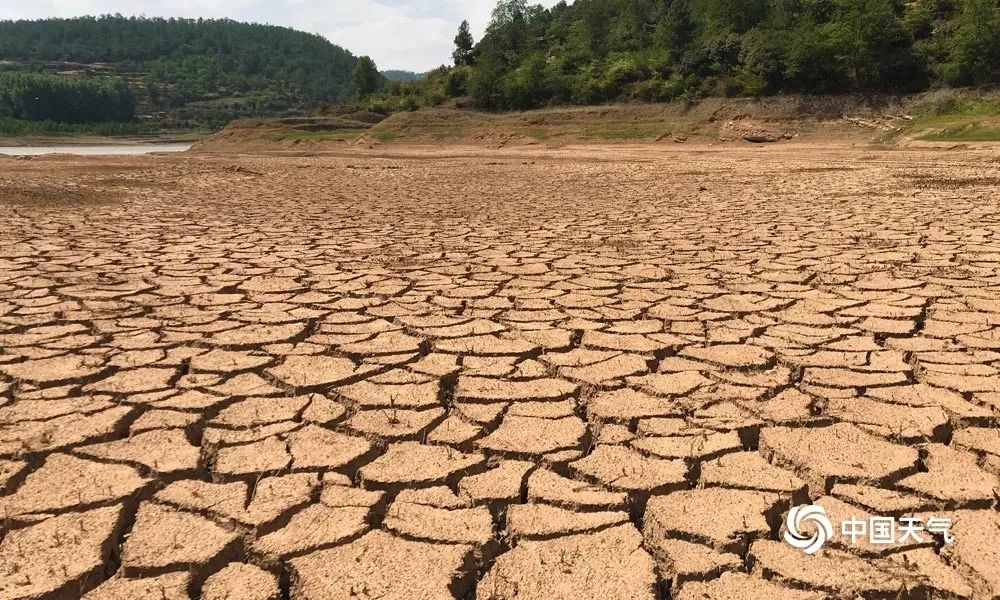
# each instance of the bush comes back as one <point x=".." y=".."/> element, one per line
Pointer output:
<point x="677" y="86"/>
<point x="456" y="83"/>
<point x="650" y="90"/>
<point x="523" y="88"/>
<point x="620" y="71"/>
<point x="745" y="83"/>
<point x="410" y="104"/>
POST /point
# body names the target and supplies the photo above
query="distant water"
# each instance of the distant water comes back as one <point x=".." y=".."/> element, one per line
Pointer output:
<point x="94" y="150"/>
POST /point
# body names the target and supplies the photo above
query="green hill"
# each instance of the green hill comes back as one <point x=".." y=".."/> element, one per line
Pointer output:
<point x="403" y="76"/>
<point x="182" y="69"/>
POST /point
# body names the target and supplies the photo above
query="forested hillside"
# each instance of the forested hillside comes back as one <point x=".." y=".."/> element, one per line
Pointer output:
<point x="214" y="66"/>
<point x="594" y="51"/>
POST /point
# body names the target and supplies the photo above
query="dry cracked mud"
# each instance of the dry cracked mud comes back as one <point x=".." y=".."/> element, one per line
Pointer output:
<point x="497" y="375"/>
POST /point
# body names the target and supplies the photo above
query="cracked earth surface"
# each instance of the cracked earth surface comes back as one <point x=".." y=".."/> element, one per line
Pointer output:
<point x="585" y="374"/>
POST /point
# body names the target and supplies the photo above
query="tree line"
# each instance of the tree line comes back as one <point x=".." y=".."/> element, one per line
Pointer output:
<point x="35" y="97"/>
<point x="595" y="51"/>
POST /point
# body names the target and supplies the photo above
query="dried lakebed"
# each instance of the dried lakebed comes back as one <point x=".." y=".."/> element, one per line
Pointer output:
<point x="591" y="373"/>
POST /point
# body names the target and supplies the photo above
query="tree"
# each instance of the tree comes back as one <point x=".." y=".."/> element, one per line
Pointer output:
<point x="523" y="87"/>
<point x="675" y="29"/>
<point x="463" y="54"/>
<point x="366" y="77"/>
<point x="721" y="16"/>
<point x="506" y="12"/>
<point x="485" y="84"/>
<point x="456" y="82"/>
<point x="872" y="45"/>
<point x="626" y="33"/>
<point x="153" y="91"/>
<point x="578" y="49"/>
<point x="975" y="49"/>
<point x="508" y="31"/>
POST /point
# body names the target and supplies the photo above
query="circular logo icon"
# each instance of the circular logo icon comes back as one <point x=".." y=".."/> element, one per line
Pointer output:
<point x="800" y="515"/>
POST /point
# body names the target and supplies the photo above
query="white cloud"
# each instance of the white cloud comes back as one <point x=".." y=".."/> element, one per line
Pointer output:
<point x="399" y="34"/>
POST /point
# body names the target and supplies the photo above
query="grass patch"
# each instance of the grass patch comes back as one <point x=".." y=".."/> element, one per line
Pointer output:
<point x="538" y="134"/>
<point x="625" y="133"/>
<point x="956" y="107"/>
<point x="425" y="125"/>
<point x="972" y="132"/>
<point x="621" y="123"/>
<point x="954" y="119"/>
<point x="341" y="135"/>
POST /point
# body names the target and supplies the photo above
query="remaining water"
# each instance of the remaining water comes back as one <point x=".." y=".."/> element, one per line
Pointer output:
<point x="95" y="150"/>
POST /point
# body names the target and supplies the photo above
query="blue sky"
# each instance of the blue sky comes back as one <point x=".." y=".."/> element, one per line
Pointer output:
<point x="399" y="34"/>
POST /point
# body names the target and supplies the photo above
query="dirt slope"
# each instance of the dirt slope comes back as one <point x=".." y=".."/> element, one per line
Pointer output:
<point x="710" y="120"/>
<point x="935" y="119"/>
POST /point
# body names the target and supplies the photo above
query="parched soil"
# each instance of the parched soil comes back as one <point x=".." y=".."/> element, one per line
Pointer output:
<point x="454" y="373"/>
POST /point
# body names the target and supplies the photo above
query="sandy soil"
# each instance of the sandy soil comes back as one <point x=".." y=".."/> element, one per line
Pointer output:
<point x="497" y="375"/>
